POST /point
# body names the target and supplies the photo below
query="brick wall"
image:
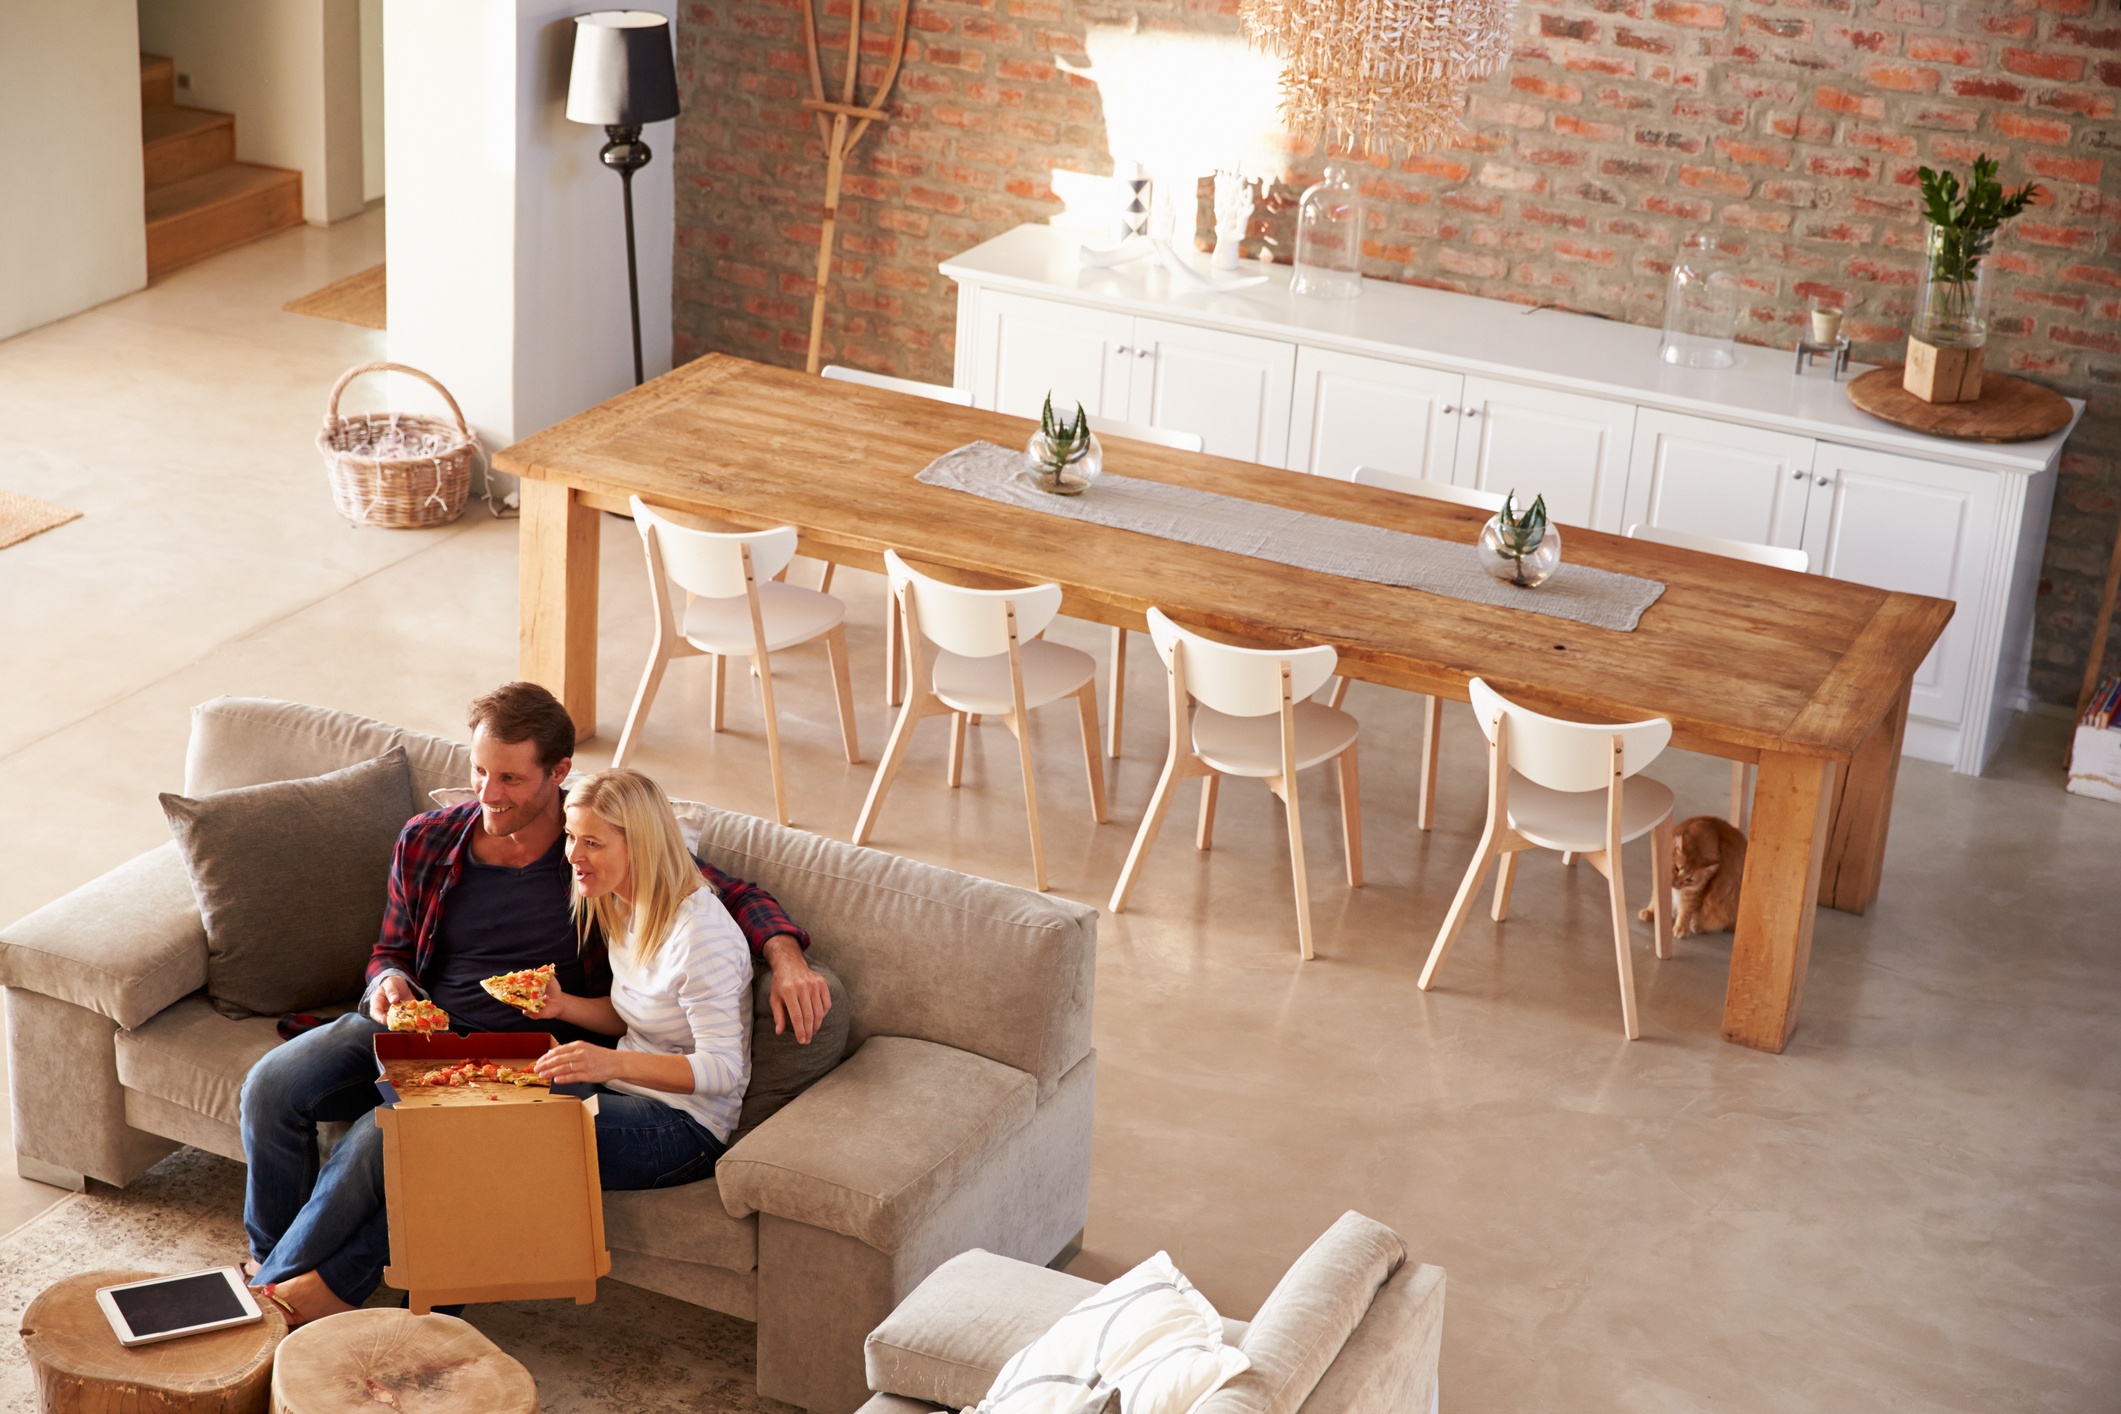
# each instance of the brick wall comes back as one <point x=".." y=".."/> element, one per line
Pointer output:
<point x="1793" y="129"/>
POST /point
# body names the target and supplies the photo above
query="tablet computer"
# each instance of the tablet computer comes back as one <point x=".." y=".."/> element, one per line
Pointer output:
<point x="163" y="1308"/>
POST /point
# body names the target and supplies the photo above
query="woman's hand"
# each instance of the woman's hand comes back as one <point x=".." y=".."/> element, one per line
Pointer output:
<point x="578" y="1062"/>
<point x="556" y="1004"/>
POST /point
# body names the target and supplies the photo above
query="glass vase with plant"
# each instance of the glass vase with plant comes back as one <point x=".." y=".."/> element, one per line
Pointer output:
<point x="1951" y="307"/>
<point x="1519" y="546"/>
<point x="1065" y="455"/>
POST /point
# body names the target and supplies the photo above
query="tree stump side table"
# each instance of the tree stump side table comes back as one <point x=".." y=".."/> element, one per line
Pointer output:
<point x="81" y="1368"/>
<point x="383" y="1360"/>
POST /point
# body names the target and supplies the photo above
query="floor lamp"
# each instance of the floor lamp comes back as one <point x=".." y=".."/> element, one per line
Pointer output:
<point x="623" y="78"/>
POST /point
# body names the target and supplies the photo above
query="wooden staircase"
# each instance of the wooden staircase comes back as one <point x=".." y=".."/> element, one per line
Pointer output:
<point x="200" y="199"/>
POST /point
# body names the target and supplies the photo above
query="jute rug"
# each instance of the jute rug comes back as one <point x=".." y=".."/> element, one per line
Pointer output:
<point x="24" y="516"/>
<point x="357" y="299"/>
<point x="630" y="1352"/>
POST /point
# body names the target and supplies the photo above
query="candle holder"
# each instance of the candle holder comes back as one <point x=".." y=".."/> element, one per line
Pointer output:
<point x="1822" y="336"/>
<point x="1836" y="354"/>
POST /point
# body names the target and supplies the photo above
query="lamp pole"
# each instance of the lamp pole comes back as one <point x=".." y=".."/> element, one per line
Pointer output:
<point x="626" y="154"/>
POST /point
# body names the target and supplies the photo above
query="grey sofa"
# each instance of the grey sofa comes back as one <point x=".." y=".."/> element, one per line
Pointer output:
<point x="961" y="1117"/>
<point x="1353" y="1327"/>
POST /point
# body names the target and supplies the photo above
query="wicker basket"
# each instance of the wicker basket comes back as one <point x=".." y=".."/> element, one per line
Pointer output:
<point x="397" y="492"/>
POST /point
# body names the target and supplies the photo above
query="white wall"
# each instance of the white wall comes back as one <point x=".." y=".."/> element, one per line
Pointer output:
<point x="505" y="238"/>
<point x="290" y="70"/>
<point x="73" y="226"/>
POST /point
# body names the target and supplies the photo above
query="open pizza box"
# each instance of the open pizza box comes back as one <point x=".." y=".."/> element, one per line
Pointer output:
<point x="491" y="1189"/>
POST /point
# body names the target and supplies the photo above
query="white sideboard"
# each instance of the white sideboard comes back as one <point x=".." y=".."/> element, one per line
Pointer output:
<point x="1429" y="385"/>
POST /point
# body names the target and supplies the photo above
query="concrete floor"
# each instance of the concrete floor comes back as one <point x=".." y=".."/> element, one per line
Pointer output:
<point x="1916" y="1207"/>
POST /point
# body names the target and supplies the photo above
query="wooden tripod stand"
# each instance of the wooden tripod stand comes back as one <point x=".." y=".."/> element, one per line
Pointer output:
<point x="841" y="124"/>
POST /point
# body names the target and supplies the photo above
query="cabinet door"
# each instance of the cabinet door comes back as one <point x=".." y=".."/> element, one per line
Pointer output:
<point x="1031" y="347"/>
<point x="1571" y="449"/>
<point x="1233" y="389"/>
<point x="1713" y="478"/>
<point x="1352" y="411"/>
<point x="1914" y="526"/>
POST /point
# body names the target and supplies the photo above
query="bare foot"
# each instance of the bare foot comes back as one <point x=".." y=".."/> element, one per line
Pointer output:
<point x="308" y="1297"/>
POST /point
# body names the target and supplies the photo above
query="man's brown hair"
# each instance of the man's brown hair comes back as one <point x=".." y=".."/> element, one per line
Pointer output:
<point x="523" y="711"/>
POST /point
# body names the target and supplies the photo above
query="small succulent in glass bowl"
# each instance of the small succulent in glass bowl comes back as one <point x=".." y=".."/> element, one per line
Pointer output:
<point x="1519" y="546"/>
<point x="1065" y="454"/>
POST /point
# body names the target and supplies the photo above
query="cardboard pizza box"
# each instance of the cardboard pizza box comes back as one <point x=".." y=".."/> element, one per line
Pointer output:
<point x="491" y="1190"/>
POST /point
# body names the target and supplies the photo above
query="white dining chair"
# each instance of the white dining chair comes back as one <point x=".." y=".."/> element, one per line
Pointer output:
<point x="990" y="662"/>
<point x="1116" y="680"/>
<point x="1248" y="712"/>
<point x="734" y="608"/>
<point x="1572" y="787"/>
<point x="1422" y="486"/>
<point x="1782" y="557"/>
<point x="940" y="392"/>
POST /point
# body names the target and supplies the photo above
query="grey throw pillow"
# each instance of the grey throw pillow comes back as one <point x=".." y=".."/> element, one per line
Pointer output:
<point x="782" y="1067"/>
<point x="290" y="879"/>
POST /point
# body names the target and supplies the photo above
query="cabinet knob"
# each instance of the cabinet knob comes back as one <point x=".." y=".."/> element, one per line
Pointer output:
<point x="1826" y="481"/>
<point x="1472" y="412"/>
<point x="1145" y="353"/>
<point x="1449" y="409"/>
<point x="1799" y="475"/>
<point x="1124" y="349"/>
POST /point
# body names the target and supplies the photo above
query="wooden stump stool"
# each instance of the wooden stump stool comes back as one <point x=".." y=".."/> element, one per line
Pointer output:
<point x="81" y="1368"/>
<point x="377" y="1360"/>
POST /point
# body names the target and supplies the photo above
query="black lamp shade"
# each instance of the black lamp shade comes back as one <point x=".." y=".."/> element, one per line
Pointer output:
<point x="624" y="74"/>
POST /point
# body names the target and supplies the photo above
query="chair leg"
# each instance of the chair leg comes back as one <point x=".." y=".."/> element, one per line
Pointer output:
<point x="1339" y="693"/>
<point x="894" y="656"/>
<point x="824" y="579"/>
<point x="956" y="771"/>
<point x="1116" y="688"/>
<point x="773" y="739"/>
<point x="1296" y="866"/>
<point x="887" y="769"/>
<point x="1351" y="814"/>
<point x="1738" y="775"/>
<point x="1023" y="755"/>
<point x="1210" y="791"/>
<point x="1505" y="880"/>
<point x="1159" y="803"/>
<point x="1661" y="884"/>
<point x="1431" y="745"/>
<point x="1086" y="705"/>
<point x="842" y="688"/>
<point x="1568" y="859"/>
<point x="1622" y="953"/>
<point x="651" y="680"/>
<point x="1461" y="905"/>
<point x="717" y="692"/>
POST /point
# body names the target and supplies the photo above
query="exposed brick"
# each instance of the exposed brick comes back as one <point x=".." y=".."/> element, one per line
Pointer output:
<point x="2075" y="100"/>
<point x="2085" y="37"/>
<point x="1901" y="78"/>
<point x="1958" y="120"/>
<point x="2062" y="237"/>
<point x="2104" y="340"/>
<point x="1678" y="206"/>
<point x="1710" y="179"/>
<point x="1572" y="126"/>
<point x="2062" y="68"/>
<point x="1593" y="255"/>
<point x="1835" y="100"/>
<point x="1683" y="12"/>
<point x="1935" y="49"/>
<point x="1804" y="127"/>
<point x="1546" y="88"/>
<point x="1777" y="26"/>
<point x="2083" y="170"/>
<point x="1859" y="169"/>
<point x="1668" y="139"/>
<point x="1562" y="27"/>
<point x="1870" y="41"/>
<point x="2052" y="131"/>
<point x="1639" y="42"/>
<point x="2093" y="275"/>
<point x="1872" y="140"/>
<point x="1754" y="154"/>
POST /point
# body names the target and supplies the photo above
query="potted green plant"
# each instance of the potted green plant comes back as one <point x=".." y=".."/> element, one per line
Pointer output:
<point x="1949" y="331"/>
<point x="1519" y="546"/>
<point x="1065" y="455"/>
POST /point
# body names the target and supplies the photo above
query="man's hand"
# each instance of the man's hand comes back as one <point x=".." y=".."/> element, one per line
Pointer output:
<point x="800" y="997"/>
<point x="391" y="989"/>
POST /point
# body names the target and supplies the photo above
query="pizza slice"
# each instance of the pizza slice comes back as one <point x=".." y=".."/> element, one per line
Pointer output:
<point x="525" y="991"/>
<point x="418" y="1016"/>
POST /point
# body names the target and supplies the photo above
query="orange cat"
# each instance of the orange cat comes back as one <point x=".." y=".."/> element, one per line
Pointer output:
<point x="1708" y="865"/>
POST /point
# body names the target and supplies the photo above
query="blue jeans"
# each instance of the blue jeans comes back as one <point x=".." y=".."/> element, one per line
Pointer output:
<point x="301" y="1217"/>
<point x="644" y="1143"/>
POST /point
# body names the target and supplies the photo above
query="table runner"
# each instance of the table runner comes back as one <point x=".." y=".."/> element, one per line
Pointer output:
<point x="1298" y="539"/>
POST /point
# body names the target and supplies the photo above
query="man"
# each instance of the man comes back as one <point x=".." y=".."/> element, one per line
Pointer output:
<point x="475" y="890"/>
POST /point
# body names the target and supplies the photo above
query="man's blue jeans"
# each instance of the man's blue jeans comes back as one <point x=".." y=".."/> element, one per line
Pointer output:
<point x="299" y="1217"/>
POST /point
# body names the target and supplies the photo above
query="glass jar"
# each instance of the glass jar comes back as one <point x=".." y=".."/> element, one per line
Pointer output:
<point x="1951" y="302"/>
<point x="1701" y="306"/>
<point x="1068" y="474"/>
<point x="1526" y="566"/>
<point x="1329" y="229"/>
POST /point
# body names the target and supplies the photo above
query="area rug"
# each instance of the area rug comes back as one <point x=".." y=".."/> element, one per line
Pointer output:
<point x="357" y="299"/>
<point x="24" y="516"/>
<point x="629" y="1352"/>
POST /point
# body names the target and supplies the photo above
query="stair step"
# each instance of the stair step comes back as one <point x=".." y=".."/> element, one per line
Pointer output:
<point x="158" y="81"/>
<point x="185" y="142"/>
<point x="218" y="210"/>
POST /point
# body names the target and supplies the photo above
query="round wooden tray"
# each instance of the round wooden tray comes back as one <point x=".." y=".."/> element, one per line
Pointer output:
<point x="2008" y="410"/>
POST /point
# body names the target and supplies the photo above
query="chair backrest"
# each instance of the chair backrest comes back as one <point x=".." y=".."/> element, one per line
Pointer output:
<point x="972" y="623"/>
<point x="1142" y="432"/>
<point x="1422" y="486"/>
<point x="709" y="563"/>
<point x="940" y="392"/>
<point x="1566" y="756"/>
<point x="1242" y="682"/>
<point x="1781" y="557"/>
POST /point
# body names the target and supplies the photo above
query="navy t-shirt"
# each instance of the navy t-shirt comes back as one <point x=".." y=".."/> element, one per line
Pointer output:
<point x="500" y="919"/>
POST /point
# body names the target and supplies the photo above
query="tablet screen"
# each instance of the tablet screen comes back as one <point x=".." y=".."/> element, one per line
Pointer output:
<point x="173" y="1305"/>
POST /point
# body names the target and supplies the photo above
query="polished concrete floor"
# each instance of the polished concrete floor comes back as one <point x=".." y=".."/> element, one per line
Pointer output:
<point x="1917" y="1207"/>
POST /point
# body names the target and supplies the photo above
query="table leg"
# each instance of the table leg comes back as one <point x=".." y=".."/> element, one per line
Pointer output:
<point x="1792" y="798"/>
<point x="1863" y="808"/>
<point x="557" y="598"/>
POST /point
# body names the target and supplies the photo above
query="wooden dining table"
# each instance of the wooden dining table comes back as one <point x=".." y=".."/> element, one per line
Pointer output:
<point x="1805" y="677"/>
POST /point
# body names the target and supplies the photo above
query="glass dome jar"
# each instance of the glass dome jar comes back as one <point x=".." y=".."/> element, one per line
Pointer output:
<point x="1066" y="468"/>
<point x="1329" y="227"/>
<point x="1526" y="566"/>
<point x="1952" y="300"/>
<point x="1701" y="306"/>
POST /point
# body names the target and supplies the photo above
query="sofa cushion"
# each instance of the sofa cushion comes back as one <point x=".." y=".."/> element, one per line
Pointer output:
<point x="1308" y="1317"/>
<point x="928" y="952"/>
<point x="948" y="1340"/>
<point x="781" y="1066"/>
<point x="684" y="1224"/>
<point x="126" y="945"/>
<point x="191" y="1055"/>
<point x="248" y="741"/>
<point x="290" y="878"/>
<point x="870" y="1150"/>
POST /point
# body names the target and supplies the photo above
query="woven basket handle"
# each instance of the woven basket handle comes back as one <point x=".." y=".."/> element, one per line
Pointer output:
<point x="331" y="407"/>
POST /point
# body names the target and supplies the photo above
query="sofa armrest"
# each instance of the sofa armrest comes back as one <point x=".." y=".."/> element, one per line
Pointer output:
<point x="878" y="1144"/>
<point x="125" y="945"/>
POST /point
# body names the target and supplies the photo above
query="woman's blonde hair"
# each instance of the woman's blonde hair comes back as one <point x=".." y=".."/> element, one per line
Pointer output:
<point x="661" y="870"/>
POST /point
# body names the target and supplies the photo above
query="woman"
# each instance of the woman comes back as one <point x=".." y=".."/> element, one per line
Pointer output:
<point x="680" y="990"/>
